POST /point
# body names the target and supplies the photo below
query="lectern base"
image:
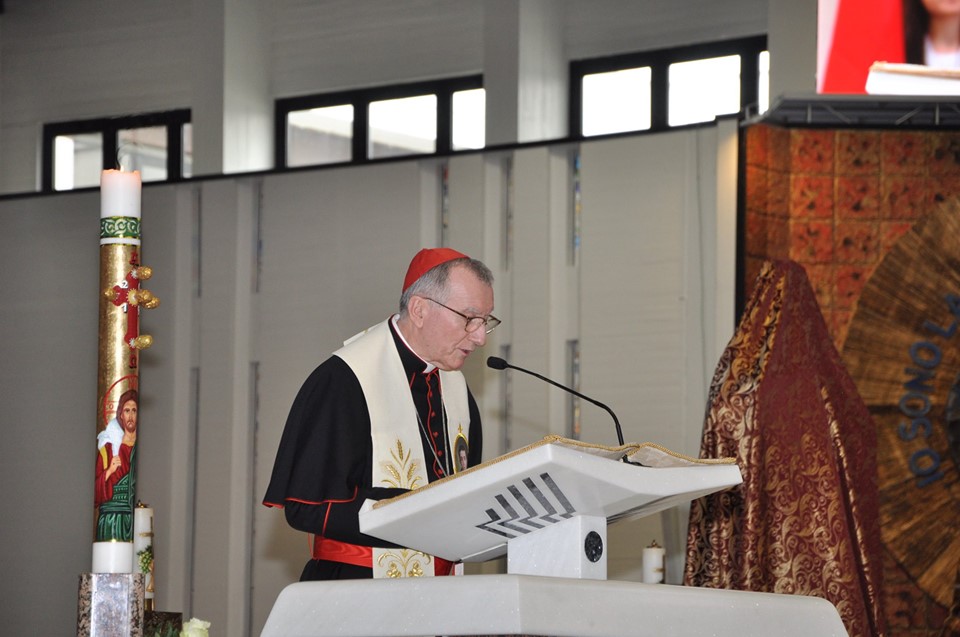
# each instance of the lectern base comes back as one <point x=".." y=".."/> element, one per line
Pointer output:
<point x="548" y="606"/>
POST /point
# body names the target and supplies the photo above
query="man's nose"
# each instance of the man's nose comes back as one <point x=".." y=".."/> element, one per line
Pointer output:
<point x="479" y="337"/>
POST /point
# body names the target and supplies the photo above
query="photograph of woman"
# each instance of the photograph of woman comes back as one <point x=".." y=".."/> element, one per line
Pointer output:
<point x="932" y="33"/>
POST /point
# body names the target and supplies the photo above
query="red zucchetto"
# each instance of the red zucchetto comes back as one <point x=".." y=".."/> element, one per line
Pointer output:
<point x="427" y="259"/>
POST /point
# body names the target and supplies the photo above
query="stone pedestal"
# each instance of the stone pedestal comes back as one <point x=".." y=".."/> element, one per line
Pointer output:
<point x="162" y="624"/>
<point x="110" y="605"/>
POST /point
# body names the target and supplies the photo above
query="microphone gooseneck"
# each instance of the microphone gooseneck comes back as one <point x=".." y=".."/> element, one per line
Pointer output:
<point x="495" y="362"/>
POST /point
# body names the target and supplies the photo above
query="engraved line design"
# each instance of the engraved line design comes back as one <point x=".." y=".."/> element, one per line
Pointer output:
<point x="531" y="512"/>
<point x="538" y="508"/>
<point x="544" y="502"/>
<point x="507" y="524"/>
<point x="494" y="518"/>
<point x="564" y="502"/>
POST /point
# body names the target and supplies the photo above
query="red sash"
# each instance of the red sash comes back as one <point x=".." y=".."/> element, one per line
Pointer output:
<point x="334" y="551"/>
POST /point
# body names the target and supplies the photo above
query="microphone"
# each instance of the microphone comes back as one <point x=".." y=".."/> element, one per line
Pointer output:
<point x="495" y="362"/>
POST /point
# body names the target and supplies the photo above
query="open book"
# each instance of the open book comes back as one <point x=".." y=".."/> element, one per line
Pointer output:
<point x="886" y="78"/>
<point x="648" y="454"/>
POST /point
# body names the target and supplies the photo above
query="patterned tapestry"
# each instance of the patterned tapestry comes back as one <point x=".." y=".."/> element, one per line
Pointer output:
<point x="872" y="216"/>
<point x="805" y="520"/>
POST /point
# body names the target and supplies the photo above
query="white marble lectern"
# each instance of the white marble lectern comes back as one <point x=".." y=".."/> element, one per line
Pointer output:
<point x="547" y="507"/>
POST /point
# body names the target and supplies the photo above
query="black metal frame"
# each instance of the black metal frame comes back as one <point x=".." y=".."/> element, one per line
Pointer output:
<point x="360" y="99"/>
<point x="748" y="48"/>
<point x="659" y="61"/>
<point x="109" y="128"/>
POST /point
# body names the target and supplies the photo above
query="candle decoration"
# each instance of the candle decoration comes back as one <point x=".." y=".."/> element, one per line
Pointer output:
<point x="118" y="398"/>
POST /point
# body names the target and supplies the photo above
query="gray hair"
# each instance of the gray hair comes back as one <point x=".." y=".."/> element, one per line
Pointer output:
<point x="433" y="283"/>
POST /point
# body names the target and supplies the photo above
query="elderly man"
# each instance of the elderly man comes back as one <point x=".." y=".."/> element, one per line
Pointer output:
<point x="386" y="413"/>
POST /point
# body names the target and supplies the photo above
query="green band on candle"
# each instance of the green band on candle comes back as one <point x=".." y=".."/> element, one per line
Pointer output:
<point x="119" y="228"/>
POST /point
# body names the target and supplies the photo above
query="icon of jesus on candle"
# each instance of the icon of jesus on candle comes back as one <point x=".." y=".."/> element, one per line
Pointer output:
<point x="114" y="489"/>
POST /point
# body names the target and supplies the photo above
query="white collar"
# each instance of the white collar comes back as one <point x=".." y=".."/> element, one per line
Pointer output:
<point x="395" y="320"/>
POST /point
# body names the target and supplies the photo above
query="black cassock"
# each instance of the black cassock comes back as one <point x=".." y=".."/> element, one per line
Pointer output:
<point x="322" y="473"/>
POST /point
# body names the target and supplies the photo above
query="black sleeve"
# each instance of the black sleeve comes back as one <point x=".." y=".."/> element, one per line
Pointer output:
<point x="321" y="475"/>
<point x="338" y="521"/>
<point x="475" y="452"/>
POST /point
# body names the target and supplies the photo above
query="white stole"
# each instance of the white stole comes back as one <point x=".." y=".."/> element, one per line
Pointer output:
<point x="398" y="459"/>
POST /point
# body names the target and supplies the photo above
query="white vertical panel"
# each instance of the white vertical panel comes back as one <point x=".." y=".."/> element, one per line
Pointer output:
<point x="634" y="316"/>
<point x="165" y="477"/>
<point x="335" y="247"/>
<point x="531" y="311"/>
<point x="792" y="29"/>
<point x="48" y="384"/>
<point x="488" y="390"/>
<point x="641" y="322"/>
<point x="430" y="180"/>
<point x="247" y="101"/>
<point x="466" y="215"/>
<point x="541" y="293"/>
<point x="724" y="284"/>
<point x="467" y="220"/>
<point x="563" y="282"/>
<point x="221" y="574"/>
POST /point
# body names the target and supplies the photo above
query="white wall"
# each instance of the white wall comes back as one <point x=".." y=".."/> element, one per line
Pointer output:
<point x="261" y="277"/>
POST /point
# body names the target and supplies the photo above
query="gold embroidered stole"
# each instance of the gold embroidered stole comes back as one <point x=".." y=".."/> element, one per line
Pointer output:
<point x="398" y="459"/>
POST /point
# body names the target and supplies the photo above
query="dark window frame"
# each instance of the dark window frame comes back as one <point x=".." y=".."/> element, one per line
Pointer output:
<point x="360" y="99"/>
<point x="659" y="61"/>
<point x="110" y="127"/>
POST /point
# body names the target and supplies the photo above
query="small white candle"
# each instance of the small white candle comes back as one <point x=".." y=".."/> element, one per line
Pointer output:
<point x="653" y="561"/>
<point x="143" y="547"/>
<point x="119" y="194"/>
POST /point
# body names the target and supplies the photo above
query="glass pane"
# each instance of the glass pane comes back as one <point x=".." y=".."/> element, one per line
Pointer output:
<point x="700" y="90"/>
<point x="144" y="149"/>
<point x="469" y="119"/>
<point x="616" y="102"/>
<point x="403" y="126"/>
<point x="77" y="161"/>
<point x="763" y="87"/>
<point x="319" y="135"/>
<point x="186" y="146"/>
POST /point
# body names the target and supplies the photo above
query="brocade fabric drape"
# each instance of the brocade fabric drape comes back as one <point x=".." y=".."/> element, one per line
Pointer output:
<point x="805" y="519"/>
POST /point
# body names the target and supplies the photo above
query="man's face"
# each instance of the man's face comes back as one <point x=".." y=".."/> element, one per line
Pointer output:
<point x="128" y="416"/>
<point x="447" y="342"/>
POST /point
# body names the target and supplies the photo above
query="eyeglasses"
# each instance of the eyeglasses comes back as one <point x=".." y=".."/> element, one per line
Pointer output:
<point x="473" y="323"/>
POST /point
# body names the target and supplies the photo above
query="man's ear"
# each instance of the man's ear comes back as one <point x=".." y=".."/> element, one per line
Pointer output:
<point x="416" y="308"/>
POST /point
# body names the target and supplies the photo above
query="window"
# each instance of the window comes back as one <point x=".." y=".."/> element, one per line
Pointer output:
<point x="699" y="90"/>
<point x="77" y="160"/>
<point x="144" y="149"/>
<point x="159" y="145"/>
<point x="319" y="135"/>
<point x="403" y="126"/>
<point x="411" y="119"/>
<point x="660" y="89"/>
<point x="616" y="101"/>
<point x="469" y="119"/>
